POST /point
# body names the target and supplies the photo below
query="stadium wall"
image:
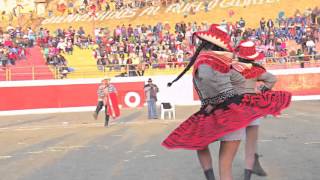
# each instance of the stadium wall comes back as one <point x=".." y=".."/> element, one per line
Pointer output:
<point x="218" y="10"/>
<point x="45" y="96"/>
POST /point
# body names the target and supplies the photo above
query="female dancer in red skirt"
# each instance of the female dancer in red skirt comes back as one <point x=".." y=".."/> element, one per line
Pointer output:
<point x="247" y="54"/>
<point x="225" y="112"/>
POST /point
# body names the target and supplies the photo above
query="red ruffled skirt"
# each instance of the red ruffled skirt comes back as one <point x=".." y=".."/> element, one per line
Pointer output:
<point x="201" y="129"/>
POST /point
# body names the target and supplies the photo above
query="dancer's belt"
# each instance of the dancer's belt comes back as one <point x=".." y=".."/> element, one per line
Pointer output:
<point x="220" y="98"/>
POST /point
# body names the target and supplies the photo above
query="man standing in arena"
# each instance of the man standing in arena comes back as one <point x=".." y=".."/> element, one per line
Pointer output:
<point x="101" y="95"/>
<point x="151" y="91"/>
<point x="107" y="97"/>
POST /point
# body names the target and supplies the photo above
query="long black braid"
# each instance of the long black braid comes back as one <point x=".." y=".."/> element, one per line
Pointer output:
<point x="204" y="45"/>
<point x="251" y="62"/>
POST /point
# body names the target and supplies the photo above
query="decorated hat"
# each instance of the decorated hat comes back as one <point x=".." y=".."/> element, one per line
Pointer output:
<point x="216" y="35"/>
<point x="247" y="50"/>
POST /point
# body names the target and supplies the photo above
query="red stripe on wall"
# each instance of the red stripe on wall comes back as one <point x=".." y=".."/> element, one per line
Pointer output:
<point x="297" y="84"/>
<point x="58" y="96"/>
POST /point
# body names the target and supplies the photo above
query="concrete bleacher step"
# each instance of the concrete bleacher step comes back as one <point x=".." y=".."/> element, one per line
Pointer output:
<point x="84" y="65"/>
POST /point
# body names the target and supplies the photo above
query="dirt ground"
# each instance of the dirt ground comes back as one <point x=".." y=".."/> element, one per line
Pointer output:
<point x="73" y="146"/>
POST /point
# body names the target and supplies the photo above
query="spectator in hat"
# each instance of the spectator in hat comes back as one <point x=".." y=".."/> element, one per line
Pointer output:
<point x="151" y="91"/>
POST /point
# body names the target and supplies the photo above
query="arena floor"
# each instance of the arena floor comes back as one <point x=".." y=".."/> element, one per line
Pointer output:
<point x="73" y="146"/>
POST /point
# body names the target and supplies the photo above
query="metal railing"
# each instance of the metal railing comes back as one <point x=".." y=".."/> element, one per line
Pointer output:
<point x="13" y="73"/>
<point x="25" y="73"/>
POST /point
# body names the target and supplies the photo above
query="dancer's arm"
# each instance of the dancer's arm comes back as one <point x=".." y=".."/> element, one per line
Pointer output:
<point x="268" y="79"/>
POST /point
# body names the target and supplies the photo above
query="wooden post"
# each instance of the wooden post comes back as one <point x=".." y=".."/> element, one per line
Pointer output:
<point x="7" y="74"/>
<point x="33" y="73"/>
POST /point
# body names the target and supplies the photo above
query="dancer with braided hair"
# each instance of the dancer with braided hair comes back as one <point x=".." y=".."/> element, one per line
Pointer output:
<point x="224" y="112"/>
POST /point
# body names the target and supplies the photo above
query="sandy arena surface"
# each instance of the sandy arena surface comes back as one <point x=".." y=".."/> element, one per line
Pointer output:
<point x="73" y="146"/>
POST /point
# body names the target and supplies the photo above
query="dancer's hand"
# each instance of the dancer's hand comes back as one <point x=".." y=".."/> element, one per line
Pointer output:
<point x="209" y="108"/>
<point x="264" y="88"/>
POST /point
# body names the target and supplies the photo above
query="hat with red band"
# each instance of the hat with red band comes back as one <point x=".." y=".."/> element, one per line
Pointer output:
<point x="247" y="50"/>
<point x="216" y="35"/>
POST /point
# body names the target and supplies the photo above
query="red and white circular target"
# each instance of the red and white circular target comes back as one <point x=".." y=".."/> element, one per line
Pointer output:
<point x="132" y="99"/>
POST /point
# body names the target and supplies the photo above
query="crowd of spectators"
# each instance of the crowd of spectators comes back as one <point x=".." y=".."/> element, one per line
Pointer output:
<point x="140" y="46"/>
<point x="14" y="44"/>
<point x="54" y="46"/>
<point x="87" y="6"/>
<point x="272" y="36"/>
<point x="156" y="46"/>
<point x="145" y="46"/>
<point x="161" y="45"/>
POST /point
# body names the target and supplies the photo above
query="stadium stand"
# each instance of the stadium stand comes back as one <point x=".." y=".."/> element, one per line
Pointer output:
<point x="187" y="11"/>
<point x="93" y="39"/>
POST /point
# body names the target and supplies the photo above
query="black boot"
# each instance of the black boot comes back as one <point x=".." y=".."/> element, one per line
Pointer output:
<point x="257" y="169"/>
<point x="106" y="122"/>
<point x="209" y="174"/>
<point x="247" y="174"/>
